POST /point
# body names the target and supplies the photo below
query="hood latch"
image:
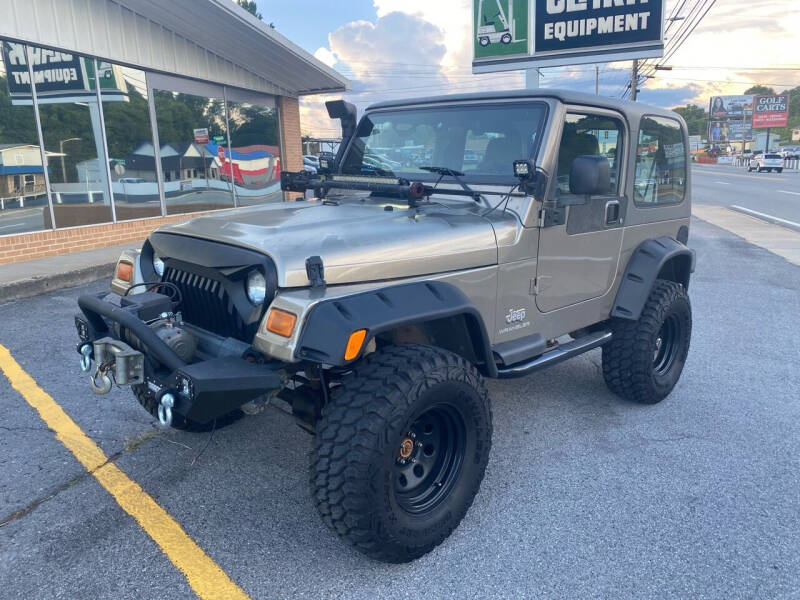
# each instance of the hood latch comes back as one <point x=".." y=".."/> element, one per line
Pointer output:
<point x="315" y="271"/>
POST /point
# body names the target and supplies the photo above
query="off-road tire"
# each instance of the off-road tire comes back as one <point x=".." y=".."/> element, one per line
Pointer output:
<point x="631" y="365"/>
<point x="147" y="399"/>
<point x="355" y="458"/>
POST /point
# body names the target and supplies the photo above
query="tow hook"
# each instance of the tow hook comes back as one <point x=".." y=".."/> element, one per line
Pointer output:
<point x="101" y="381"/>
<point x="165" y="409"/>
<point x="86" y="357"/>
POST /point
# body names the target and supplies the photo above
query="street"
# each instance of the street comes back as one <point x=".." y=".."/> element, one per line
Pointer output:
<point x="585" y="496"/>
<point x="776" y="194"/>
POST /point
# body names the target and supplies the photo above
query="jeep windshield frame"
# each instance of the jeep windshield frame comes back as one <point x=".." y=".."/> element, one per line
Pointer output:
<point x="479" y="139"/>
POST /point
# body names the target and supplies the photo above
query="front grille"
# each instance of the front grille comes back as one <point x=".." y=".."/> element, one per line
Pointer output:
<point x="207" y="304"/>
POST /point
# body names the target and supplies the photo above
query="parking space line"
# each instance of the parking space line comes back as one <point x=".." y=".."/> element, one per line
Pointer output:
<point x="204" y="576"/>
<point x="787" y="192"/>
<point x="723" y="182"/>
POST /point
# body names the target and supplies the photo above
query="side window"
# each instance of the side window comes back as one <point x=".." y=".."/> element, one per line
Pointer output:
<point x="660" y="162"/>
<point x="586" y="134"/>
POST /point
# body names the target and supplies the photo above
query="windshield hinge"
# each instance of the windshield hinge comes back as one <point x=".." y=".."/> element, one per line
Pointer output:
<point x="315" y="271"/>
<point x="550" y="216"/>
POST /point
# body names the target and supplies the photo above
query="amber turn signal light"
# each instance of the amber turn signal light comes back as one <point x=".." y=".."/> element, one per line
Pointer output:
<point x="281" y="322"/>
<point x="125" y="271"/>
<point x="354" y="343"/>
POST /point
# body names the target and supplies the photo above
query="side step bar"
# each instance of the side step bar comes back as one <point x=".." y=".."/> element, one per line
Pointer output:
<point x="553" y="357"/>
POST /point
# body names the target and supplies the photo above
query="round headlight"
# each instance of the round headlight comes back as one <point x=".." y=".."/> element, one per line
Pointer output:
<point x="256" y="287"/>
<point x="158" y="265"/>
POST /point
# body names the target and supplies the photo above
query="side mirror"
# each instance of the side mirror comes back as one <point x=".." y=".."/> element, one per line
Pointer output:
<point x="590" y="176"/>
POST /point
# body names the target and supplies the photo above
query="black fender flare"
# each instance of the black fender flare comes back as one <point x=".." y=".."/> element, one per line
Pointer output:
<point x="646" y="262"/>
<point x="330" y="322"/>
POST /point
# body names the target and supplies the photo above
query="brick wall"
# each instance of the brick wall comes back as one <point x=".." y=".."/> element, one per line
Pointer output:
<point x="28" y="246"/>
<point x="290" y="133"/>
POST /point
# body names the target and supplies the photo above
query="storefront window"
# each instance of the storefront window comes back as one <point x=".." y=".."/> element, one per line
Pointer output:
<point x="23" y="197"/>
<point x="130" y="142"/>
<point x="255" y="165"/>
<point x="191" y="164"/>
<point x="72" y="136"/>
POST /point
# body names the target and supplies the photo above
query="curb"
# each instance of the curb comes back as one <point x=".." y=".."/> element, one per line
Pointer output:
<point x="36" y="286"/>
<point x="767" y="218"/>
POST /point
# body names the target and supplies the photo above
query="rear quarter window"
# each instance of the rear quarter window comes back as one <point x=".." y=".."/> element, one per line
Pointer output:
<point x="660" y="175"/>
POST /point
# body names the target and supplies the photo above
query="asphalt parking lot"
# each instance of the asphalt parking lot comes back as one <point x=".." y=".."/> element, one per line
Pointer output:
<point x="586" y="496"/>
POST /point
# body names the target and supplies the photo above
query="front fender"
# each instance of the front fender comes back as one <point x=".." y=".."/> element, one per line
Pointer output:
<point x="329" y="323"/>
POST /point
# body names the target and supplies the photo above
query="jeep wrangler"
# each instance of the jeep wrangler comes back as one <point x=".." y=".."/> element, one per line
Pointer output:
<point x="451" y="239"/>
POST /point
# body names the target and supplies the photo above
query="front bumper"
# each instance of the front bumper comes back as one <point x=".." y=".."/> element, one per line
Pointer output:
<point x="200" y="391"/>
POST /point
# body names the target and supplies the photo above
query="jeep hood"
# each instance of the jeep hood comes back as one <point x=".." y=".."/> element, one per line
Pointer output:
<point x="357" y="240"/>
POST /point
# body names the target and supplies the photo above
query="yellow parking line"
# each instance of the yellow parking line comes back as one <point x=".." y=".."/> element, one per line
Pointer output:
<point x="205" y="577"/>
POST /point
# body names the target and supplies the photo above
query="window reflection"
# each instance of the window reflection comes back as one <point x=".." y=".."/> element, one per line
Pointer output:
<point x="130" y="148"/>
<point x="254" y="161"/>
<point x="72" y="134"/>
<point x="23" y="198"/>
<point x="191" y="166"/>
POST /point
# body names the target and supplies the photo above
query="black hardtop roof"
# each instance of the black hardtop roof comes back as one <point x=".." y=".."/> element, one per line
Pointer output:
<point x="630" y="109"/>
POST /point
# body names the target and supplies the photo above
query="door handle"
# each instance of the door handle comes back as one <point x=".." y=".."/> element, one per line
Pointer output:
<point x="612" y="212"/>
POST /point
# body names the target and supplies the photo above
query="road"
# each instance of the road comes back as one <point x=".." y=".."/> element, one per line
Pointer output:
<point x="776" y="194"/>
<point x="585" y="496"/>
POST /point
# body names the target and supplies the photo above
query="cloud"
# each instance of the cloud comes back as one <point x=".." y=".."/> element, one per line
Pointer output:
<point x="414" y="48"/>
<point x="326" y="56"/>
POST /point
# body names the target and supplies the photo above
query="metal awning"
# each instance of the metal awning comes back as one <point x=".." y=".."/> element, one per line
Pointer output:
<point x="226" y="29"/>
<point x="212" y="41"/>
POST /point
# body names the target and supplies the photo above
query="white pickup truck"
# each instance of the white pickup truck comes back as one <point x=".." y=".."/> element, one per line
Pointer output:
<point x="766" y="162"/>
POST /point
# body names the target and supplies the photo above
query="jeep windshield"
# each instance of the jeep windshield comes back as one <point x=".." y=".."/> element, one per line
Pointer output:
<point x="481" y="141"/>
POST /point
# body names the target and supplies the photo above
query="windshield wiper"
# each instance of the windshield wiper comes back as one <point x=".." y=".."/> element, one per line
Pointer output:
<point x="457" y="175"/>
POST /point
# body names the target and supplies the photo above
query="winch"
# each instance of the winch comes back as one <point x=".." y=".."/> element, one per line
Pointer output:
<point x="169" y="329"/>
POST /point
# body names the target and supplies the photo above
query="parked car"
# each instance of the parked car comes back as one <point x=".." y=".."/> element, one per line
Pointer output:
<point x="790" y="153"/>
<point x="766" y="162"/>
<point x="310" y="166"/>
<point x="311" y="160"/>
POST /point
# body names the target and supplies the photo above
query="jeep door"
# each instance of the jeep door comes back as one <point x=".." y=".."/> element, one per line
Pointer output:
<point x="579" y="244"/>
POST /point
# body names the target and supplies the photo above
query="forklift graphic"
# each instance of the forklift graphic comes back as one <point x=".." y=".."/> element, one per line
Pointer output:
<point x="492" y="32"/>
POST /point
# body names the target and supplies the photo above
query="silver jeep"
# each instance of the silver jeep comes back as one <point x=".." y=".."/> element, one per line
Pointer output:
<point x="451" y="239"/>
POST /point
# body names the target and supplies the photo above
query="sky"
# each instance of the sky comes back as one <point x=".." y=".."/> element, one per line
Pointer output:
<point x="409" y="48"/>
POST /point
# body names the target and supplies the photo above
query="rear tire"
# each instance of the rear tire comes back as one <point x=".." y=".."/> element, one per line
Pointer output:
<point x="401" y="403"/>
<point x="779" y="170"/>
<point x="645" y="358"/>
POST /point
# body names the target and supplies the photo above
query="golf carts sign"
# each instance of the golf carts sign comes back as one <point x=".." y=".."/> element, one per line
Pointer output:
<point x="771" y="111"/>
<point x="519" y="34"/>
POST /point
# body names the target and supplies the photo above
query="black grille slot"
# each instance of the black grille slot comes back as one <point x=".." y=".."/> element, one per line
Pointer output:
<point x="207" y="304"/>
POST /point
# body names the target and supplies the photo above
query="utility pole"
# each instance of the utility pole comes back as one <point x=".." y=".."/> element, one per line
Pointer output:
<point x="634" y="79"/>
<point x="596" y="80"/>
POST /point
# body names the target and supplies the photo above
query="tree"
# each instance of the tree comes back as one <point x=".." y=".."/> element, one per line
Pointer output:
<point x="759" y="90"/>
<point x="250" y="6"/>
<point x="696" y="118"/>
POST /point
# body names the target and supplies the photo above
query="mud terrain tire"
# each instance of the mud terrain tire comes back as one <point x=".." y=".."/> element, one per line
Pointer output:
<point x="645" y="358"/>
<point x="401" y="403"/>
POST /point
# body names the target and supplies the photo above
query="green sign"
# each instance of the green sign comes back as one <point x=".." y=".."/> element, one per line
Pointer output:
<point x="219" y="139"/>
<point x="500" y="27"/>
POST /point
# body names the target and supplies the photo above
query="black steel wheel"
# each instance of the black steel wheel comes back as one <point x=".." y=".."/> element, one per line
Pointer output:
<point x="645" y="358"/>
<point x="429" y="459"/>
<point x="400" y="451"/>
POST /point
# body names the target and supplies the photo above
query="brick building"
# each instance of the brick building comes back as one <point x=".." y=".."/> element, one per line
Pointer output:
<point x="141" y="112"/>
